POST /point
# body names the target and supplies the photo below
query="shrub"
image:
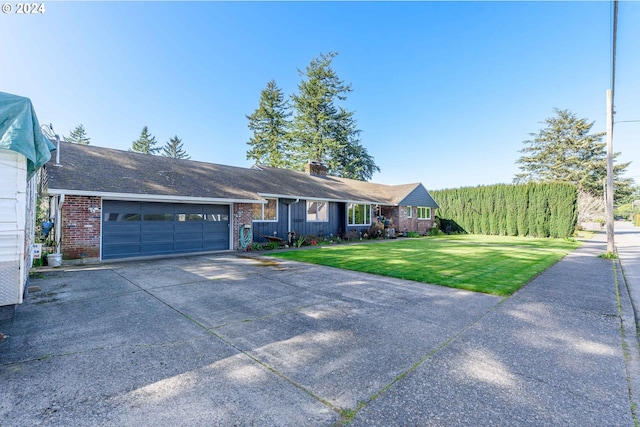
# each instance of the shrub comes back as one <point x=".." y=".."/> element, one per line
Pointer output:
<point x="272" y="245"/>
<point x="301" y="241"/>
<point x="533" y="209"/>
<point x="353" y="235"/>
<point x="376" y="230"/>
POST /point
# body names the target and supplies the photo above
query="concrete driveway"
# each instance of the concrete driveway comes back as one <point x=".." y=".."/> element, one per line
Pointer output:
<point x="217" y="340"/>
<point x="230" y="341"/>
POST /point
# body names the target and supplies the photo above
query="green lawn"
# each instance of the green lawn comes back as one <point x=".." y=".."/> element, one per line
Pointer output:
<point x="491" y="264"/>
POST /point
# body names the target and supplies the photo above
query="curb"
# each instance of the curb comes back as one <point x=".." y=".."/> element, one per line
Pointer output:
<point x="629" y="337"/>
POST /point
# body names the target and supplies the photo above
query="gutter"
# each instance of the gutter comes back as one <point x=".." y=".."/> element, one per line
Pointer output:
<point x="138" y="197"/>
<point x="58" y="222"/>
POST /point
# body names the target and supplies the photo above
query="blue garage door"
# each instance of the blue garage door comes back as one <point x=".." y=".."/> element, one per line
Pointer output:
<point x="131" y="229"/>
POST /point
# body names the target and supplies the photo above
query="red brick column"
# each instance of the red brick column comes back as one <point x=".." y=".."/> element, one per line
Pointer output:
<point x="242" y="215"/>
<point x="81" y="218"/>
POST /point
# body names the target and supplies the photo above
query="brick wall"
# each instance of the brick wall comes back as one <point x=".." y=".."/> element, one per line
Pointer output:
<point x="413" y="224"/>
<point x="81" y="218"/>
<point x="242" y="215"/>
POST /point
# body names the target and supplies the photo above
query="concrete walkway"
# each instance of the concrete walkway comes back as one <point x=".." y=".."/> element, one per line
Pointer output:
<point x="221" y="340"/>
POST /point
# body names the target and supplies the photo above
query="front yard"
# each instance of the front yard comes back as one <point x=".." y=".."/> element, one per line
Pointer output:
<point x="496" y="265"/>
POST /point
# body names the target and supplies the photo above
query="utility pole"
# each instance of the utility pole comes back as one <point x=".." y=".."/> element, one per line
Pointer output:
<point x="609" y="187"/>
<point x="610" y="97"/>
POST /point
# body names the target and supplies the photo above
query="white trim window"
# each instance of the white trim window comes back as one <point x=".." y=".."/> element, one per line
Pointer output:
<point x="424" y="212"/>
<point x="409" y="212"/>
<point x="266" y="212"/>
<point x="358" y="214"/>
<point x="317" y="211"/>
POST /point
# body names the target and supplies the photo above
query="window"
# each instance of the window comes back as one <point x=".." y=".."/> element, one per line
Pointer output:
<point x="216" y="217"/>
<point x="121" y="217"/>
<point x="267" y="211"/>
<point x="409" y="211"/>
<point x="189" y="217"/>
<point x="424" y="212"/>
<point x="359" y="214"/>
<point x="157" y="217"/>
<point x="317" y="211"/>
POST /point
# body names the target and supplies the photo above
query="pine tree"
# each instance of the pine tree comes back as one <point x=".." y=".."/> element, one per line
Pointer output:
<point x="352" y="160"/>
<point x="78" y="136"/>
<point x="173" y="149"/>
<point x="565" y="151"/>
<point x="270" y="126"/>
<point x="146" y="143"/>
<point x="323" y="131"/>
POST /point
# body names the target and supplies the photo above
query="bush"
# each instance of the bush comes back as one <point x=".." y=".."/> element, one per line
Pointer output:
<point x="533" y="209"/>
<point x="272" y="245"/>
<point x="435" y="232"/>
<point x="352" y="235"/>
<point x="376" y="230"/>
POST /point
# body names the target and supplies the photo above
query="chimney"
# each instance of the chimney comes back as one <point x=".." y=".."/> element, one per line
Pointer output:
<point x="315" y="169"/>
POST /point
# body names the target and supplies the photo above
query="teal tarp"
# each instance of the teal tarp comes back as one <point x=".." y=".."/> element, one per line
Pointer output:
<point x="20" y="131"/>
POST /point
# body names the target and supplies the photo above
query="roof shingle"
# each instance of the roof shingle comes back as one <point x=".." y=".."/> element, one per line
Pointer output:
<point x="104" y="171"/>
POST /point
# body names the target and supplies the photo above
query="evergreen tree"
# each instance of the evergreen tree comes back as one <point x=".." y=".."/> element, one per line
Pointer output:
<point x="565" y="151"/>
<point x="322" y="131"/>
<point x="78" y="136"/>
<point x="352" y="160"/>
<point x="146" y="143"/>
<point x="269" y="124"/>
<point x="173" y="149"/>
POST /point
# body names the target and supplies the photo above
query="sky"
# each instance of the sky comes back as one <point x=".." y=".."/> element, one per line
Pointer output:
<point x="444" y="93"/>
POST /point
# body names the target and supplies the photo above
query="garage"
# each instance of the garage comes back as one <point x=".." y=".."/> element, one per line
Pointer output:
<point x="133" y="229"/>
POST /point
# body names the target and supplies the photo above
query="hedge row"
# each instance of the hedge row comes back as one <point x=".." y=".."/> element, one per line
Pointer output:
<point x="534" y="209"/>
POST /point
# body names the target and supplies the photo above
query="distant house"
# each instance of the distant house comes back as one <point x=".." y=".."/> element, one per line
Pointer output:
<point x="115" y="204"/>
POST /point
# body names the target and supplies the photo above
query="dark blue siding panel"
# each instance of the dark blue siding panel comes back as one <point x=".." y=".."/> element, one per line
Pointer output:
<point x="299" y="223"/>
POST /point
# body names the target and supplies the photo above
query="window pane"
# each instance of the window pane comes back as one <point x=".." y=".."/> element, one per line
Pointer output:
<point x="323" y="211"/>
<point x="158" y="217"/>
<point x="312" y="211"/>
<point x="257" y="211"/>
<point x="216" y="217"/>
<point x="121" y="217"/>
<point x="189" y="217"/>
<point x="271" y="210"/>
<point x="409" y="212"/>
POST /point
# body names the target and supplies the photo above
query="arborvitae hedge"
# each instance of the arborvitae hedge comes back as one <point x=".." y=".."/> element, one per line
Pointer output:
<point x="534" y="209"/>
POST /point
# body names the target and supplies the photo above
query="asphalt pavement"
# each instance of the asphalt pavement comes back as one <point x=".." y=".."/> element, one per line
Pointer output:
<point x="223" y="340"/>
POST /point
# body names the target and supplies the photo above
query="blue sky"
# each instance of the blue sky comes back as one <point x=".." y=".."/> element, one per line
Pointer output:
<point x="444" y="92"/>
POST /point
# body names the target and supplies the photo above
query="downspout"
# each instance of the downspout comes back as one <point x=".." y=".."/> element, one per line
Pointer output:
<point x="57" y="149"/>
<point x="289" y="214"/>
<point x="59" y="221"/>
